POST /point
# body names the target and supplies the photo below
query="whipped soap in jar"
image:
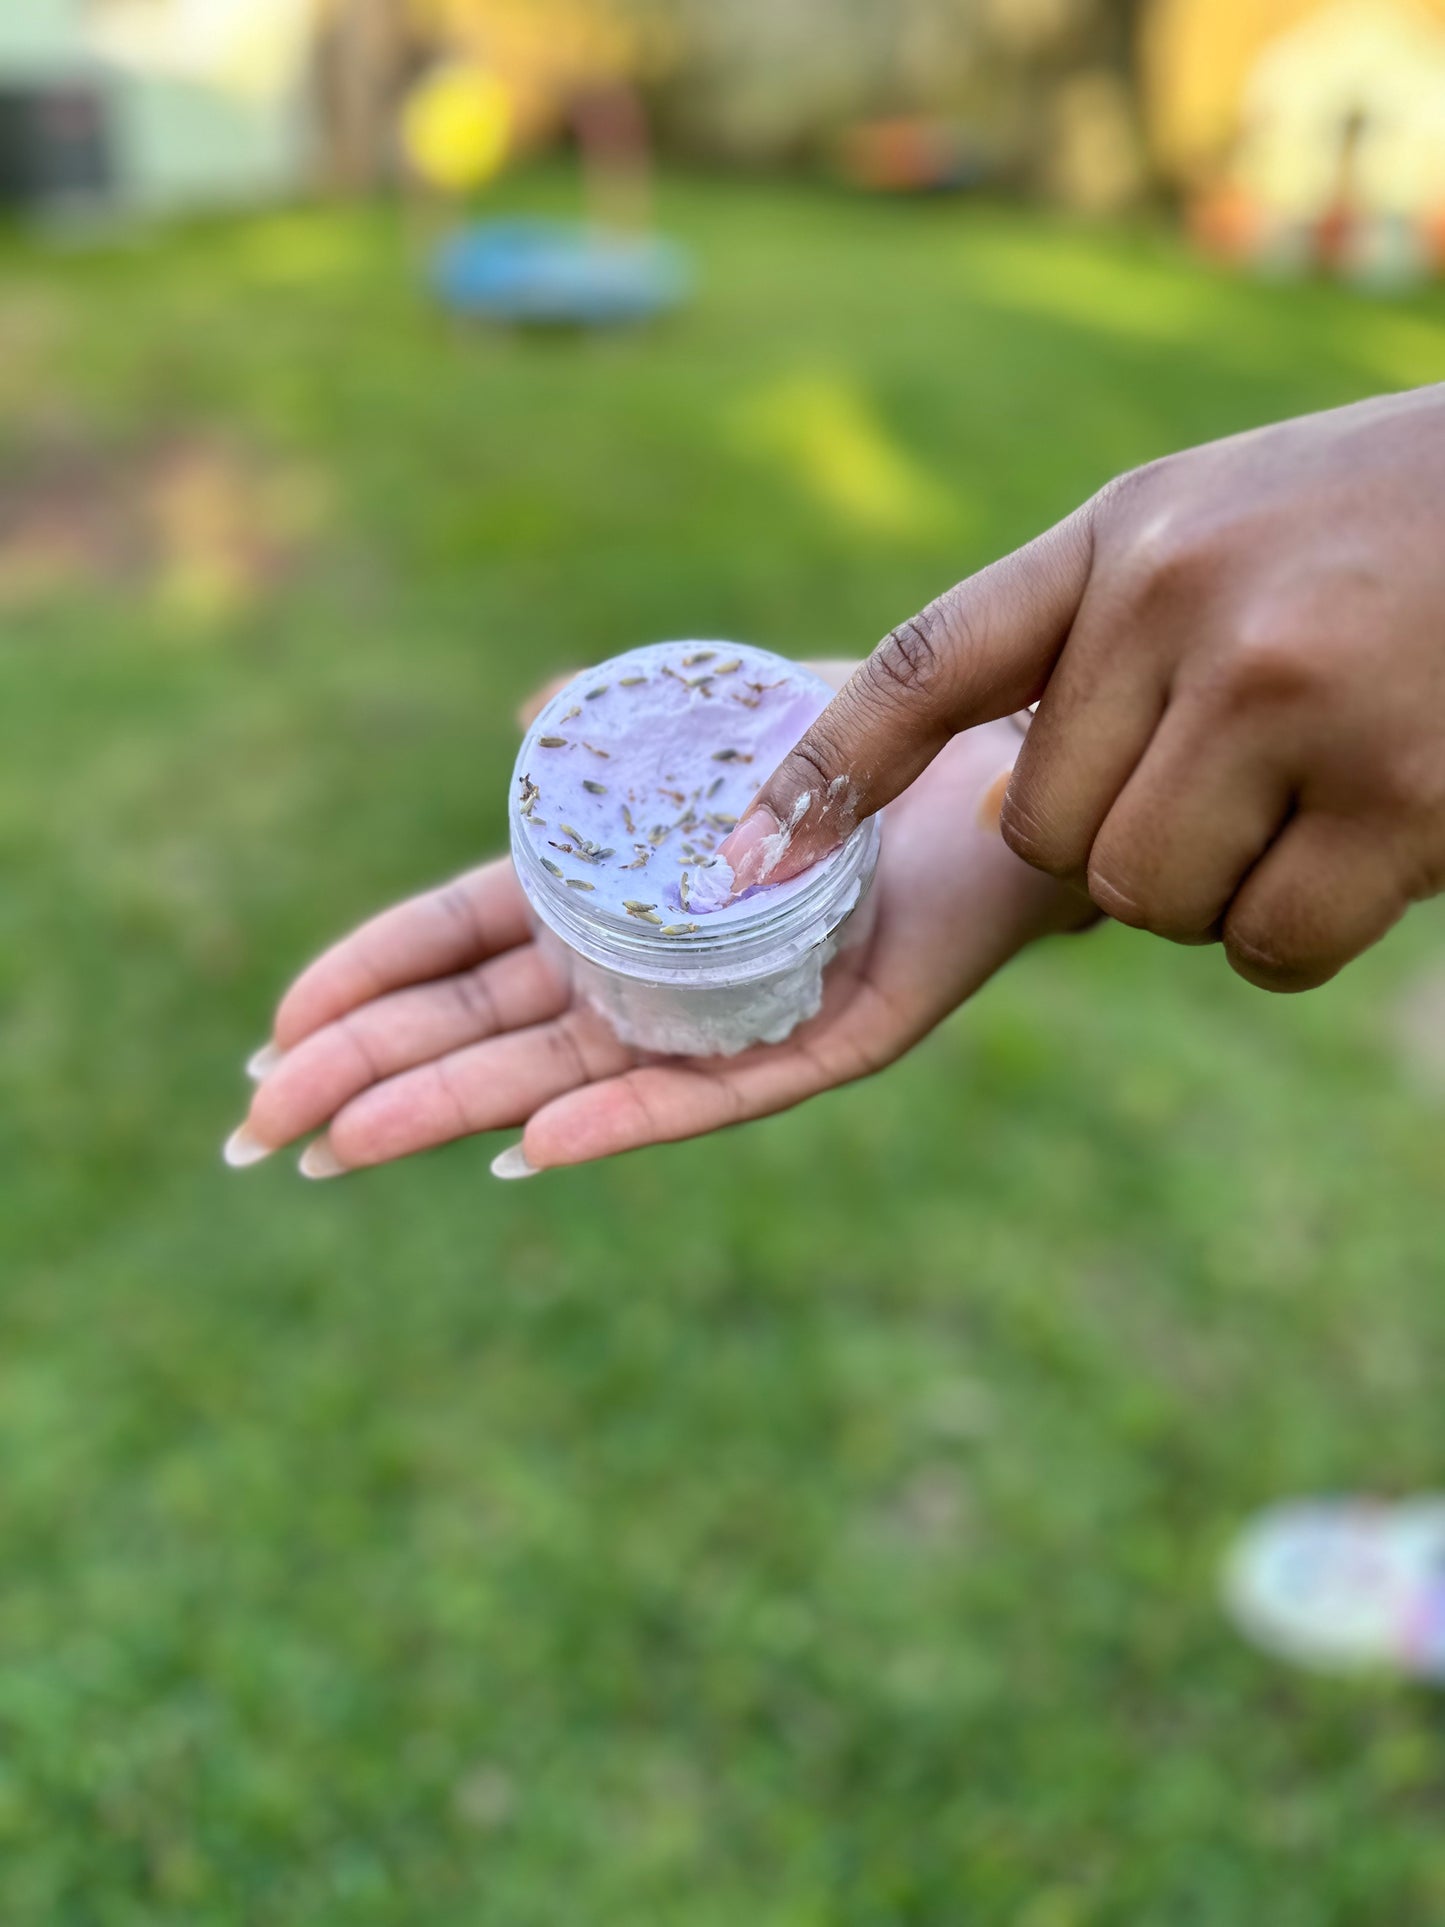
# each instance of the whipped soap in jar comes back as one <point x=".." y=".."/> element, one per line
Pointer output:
<point x="624" y="789"/>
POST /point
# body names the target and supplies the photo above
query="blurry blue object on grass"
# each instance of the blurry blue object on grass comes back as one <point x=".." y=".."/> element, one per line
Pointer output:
<point x="558" y="273"/>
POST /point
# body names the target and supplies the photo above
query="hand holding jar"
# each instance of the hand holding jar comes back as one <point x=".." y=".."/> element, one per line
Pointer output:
<point x="453" y="1014"/>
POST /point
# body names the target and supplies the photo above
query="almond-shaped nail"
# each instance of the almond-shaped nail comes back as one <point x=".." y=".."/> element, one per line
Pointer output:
<point x="749" y="848"/>
<point x="318" y="1160"/>
<point x="513" y="1163"/>
<point x="243" y="1147"/>
<point x="261" y="1063"/>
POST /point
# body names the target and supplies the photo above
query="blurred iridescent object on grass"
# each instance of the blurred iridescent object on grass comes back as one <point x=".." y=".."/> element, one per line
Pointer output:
<point x="1344" y="1585"/>
<point x="1308" y="135"/>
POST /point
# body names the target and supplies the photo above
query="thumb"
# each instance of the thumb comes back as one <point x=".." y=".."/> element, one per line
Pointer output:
<point x="984" y="649"/>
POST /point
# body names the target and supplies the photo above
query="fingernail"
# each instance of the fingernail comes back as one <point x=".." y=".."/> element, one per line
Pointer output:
<point x="746" y="849"/>
<point x="261" y="1063"/>
<point x="243" y="1147"/>
<point x="318" y="1160"/>
<point x="513" y="1163"/>
<point x="990" y="804"/>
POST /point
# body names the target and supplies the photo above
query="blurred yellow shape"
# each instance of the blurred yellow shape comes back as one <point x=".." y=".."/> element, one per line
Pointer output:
<point x="289" y="250"/>
<point x="1076" y="284"/>
<point x="824" y="433"/>
<point x="1396" y="349"/>
<point x="456" y="126"/>
<point x="1131" y="300"/>
<point x="554" y="45"/>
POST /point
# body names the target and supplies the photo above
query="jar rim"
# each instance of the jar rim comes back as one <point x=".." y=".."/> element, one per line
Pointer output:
<point x="807" y="916"/>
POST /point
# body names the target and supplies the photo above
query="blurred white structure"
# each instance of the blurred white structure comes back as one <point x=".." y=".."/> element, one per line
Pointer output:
<point x="204" y="101"/>
<point x="1350" y="101"/>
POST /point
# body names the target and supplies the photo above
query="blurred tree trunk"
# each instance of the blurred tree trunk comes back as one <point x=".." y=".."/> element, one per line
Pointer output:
<point x="363" y="56"/>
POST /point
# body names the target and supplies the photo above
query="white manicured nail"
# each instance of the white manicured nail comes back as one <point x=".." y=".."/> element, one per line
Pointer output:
<point x="243" y="1147"/>
<point x="318" y="1160"/>
<point x="512" y="1163"/>
<point x="261" y="1063"/>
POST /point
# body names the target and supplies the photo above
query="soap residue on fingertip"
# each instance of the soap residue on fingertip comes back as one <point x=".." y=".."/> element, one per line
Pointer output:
<point x="775" y="847"/>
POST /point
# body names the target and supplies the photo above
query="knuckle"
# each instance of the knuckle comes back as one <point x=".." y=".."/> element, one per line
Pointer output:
<point x="909" y="660"/>
<point x="1110" y="892"/>
<point x="1023" y="828"/>
<point x="812" y="763"/>
<point x="635" y="1119"/>
<point x="456" y="1093"/>
<point x="1429" y="869"/>
<point x="585" y="1049"/>
<point x="1172" y="555"/>
<point x="357" y="1035"/>
<point x="1144" y="905"/>
<point x="1147" y="518"/>
<point x="1408" y="791"/>
<point x="567" y="1052"/>
<point x="1135" y="882"/>
<point x="1270" y="663"/>
<point x="454" y="901"/>
<point x="1267" y="963"/>
<point x="476" y="1001"/>
<point x="1129" y="493"/>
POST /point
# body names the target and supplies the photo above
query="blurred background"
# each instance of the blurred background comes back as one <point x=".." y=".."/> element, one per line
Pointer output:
<point x="817" y="1524"/>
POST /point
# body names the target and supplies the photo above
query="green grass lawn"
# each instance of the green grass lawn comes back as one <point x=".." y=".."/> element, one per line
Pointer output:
<point x="812" y="1527"/>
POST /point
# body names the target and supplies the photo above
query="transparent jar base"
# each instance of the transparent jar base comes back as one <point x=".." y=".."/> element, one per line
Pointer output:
<point x="674" y="1019"/>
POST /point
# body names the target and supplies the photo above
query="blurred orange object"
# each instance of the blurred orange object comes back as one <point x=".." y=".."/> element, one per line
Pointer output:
<point x="910" y="154"/>
<point x="1227" y="223"/>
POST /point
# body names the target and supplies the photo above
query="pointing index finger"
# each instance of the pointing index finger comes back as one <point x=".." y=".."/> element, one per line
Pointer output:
<point x="980" y="651"/>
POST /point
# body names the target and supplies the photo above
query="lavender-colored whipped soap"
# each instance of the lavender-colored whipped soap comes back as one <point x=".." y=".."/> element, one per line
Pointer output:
<point x="624" y="789"/>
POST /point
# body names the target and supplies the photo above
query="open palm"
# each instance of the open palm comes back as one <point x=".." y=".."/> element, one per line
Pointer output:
<point x="442" y="1018"/>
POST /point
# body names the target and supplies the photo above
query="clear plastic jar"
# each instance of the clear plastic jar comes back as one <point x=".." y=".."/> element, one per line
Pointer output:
<point x="714" y="985"/>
